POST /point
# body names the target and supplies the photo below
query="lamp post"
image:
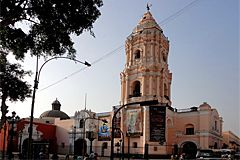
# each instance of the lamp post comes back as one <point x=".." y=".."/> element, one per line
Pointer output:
<point x="122" y="155"/>
<point x="91" y="137"/>
<point x="20" y="141"/>
<point x="35" y="87"/>
<point x="12" y="120"/>
<point x="73" y="137"/>
<point x="121" y="141"/>
<point x="142" y="103"/>
<point x="118" y="145"/>
<point x="4" y="139"/>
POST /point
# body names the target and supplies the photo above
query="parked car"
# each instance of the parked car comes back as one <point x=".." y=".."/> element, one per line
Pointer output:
<point x="204" y="153"/>
<point x="237" y="155"/>
<point x="227" y="153"/>
<point x="208" y="154"/>
<point x="224" y="153"/>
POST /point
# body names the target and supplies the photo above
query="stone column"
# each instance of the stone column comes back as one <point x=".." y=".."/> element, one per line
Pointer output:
<point x="144" y="86"/>
<point x="127" y="89"/>
<point x="150" y="85"/>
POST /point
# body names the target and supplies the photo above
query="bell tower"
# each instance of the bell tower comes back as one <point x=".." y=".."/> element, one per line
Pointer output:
<point x="146" y="75"/>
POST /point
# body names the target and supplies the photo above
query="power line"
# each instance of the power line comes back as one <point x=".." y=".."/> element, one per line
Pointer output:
<point x="108" y="54"/>
<point x="94" y="62"/>
<point x="178" y="13"/>
<point x="165" y="21"/>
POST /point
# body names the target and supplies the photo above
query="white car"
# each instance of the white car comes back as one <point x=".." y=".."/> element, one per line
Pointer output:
<point x="207" y="154"/>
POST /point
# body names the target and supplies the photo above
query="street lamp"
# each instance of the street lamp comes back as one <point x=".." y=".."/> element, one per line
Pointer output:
<point x="12" y="120"/>
<point x="121" y="141"/>
<point x="20" y="141"/>
<point x="142" y="103"/>
<point x="35" y="87"/>
<point x="73" y="133"/>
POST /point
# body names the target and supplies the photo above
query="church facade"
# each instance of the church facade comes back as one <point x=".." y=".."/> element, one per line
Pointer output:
<point x="157" y="130"/>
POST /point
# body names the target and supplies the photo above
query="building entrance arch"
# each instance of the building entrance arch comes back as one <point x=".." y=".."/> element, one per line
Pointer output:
<point x="40" y="149"/>
<point x="190" y="150"/>
<point x="80" y="147"/>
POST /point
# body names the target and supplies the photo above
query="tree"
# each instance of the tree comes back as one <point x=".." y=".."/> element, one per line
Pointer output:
<point x="12" y="86"/>
<point x="42" y="28"/>
<point x="47" y="27"/>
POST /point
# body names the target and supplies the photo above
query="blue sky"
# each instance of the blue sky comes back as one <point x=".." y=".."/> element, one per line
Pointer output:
<point x="203" y="58"/>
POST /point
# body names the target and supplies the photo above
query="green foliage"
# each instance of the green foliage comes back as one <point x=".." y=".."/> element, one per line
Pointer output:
<point x="39" y="27"/>
<point x="12" y="87"/>
<point x="11" y="83"/>
<point x="49" y="25"/>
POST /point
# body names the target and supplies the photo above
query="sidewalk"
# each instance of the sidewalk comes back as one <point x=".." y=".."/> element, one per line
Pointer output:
<point x="63" y="157"/>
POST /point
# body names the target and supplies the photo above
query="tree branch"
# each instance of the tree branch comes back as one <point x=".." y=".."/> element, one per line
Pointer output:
<point x="28" y="19"/>
<point x="6" y="22"/>
<point x="21" y="2"/>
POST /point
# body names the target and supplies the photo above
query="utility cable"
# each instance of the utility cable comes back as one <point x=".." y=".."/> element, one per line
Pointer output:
<point x="93" y="63"/>
<point x="178" y="13"/>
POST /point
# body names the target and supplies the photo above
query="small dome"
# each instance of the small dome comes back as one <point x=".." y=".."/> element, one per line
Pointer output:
<point x="54" y="114"/>
<point x="56" y="105"/>
<point x="56" y="102"/>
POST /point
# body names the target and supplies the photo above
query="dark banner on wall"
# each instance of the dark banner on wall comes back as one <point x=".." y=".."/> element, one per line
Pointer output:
<point x="157" y="123"/>
<point x="117" y="122"/>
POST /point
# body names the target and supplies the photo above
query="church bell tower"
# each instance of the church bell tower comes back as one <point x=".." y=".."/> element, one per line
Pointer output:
<point x="146" y="75"/>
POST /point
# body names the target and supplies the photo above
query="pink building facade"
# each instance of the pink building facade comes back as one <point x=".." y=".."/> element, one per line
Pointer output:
<point x="159" y="130"/>
<point x="195" y="128"/>
<point x="231" y="141"/>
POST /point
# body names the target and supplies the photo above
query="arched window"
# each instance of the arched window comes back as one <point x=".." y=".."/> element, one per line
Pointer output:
<point x="164" y="57"/>
<point x="137" y="54"/>
<point x="215" y="145"/>
<point x="136" y="89"/>
<point x="81" y="123"/>
<point x="215" y="126"/>
<point x="189" y="129"/>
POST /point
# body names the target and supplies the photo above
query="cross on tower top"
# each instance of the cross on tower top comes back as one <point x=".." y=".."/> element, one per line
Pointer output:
<point x="148" y="6"/>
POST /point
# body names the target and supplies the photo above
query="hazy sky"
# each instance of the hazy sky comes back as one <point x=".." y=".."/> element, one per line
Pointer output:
<point x="203" y="58"/>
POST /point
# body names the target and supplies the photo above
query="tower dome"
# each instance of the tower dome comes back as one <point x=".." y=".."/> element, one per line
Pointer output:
<point x="147" y="22"/>
<point x="55" y="112"/>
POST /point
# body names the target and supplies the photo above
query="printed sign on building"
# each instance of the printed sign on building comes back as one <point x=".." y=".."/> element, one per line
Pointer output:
<point x="157" y="123"/>
<point x="104" y="129"/>
<point x="134" y="122"/>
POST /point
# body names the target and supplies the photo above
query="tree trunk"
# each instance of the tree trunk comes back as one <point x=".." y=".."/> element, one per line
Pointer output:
<point x="4" y="110"/>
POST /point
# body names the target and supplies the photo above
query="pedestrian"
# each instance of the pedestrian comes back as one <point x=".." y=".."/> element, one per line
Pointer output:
<point x="55" y="156"/>
<point x="41" y="155"/>
<point x="79" y="157"/>
<point x="67" y="157"/>
<point x="86" y="157"/>
<point x="181" y="157"/>
<point x="91" y="156"/>
<point x="95" y="156"/>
